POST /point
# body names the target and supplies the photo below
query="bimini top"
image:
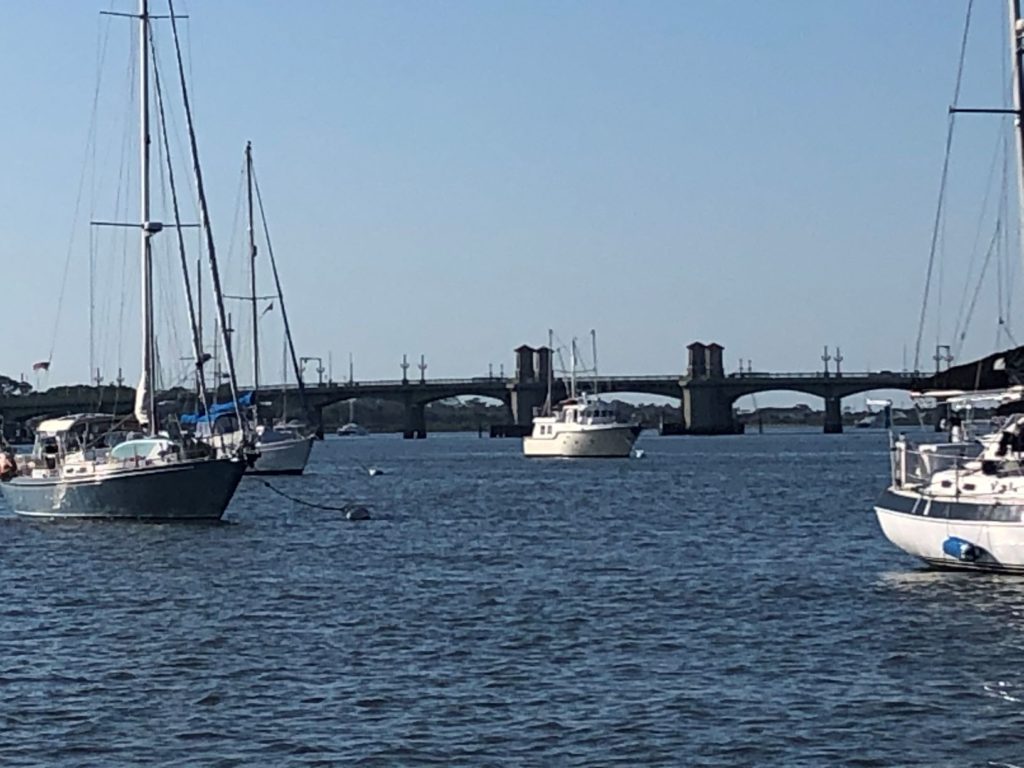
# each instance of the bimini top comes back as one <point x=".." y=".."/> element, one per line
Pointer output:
<point x="61" y="424"/>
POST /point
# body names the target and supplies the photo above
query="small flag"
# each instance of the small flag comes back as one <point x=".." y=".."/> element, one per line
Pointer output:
<point x="270" y="306"/>
<point x="41" y="366"/>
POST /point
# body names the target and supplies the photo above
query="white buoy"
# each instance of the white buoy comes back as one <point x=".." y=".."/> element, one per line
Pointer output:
<point x="638" y="453"/>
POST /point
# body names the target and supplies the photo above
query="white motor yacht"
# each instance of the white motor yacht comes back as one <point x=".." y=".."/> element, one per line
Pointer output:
<point x="582" y="426"/>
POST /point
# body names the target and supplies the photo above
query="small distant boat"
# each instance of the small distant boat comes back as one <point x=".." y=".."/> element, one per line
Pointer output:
<point x="866" y="423"/>
<point x="352" y="430"/>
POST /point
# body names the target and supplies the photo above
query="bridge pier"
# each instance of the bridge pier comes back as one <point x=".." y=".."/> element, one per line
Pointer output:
<point x="415" y="421"/>
<point x="707" y="410"/>
<point x="833" y="415"/>
<point x="525" y="401"/>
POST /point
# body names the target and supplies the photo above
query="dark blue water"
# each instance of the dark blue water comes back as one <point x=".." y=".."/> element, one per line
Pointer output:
<point x="721" y="602"/>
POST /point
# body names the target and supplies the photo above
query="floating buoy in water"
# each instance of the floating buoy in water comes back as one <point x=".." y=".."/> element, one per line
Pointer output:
<point x="638" y="453"/>
<point x="357" y="513"/>
<point x="961" y="550"/>
<point x="374" y="471"/>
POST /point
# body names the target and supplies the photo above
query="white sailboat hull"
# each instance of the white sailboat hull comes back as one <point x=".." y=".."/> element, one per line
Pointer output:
<point x="920" y="526"/>
<point x="282" y="457"/>
<point x="613" y="441"/>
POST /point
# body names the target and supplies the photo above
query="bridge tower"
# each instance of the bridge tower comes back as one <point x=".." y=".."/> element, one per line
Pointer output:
<point x="707" y="408"/>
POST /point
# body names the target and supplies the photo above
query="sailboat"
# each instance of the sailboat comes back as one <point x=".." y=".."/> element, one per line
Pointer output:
<point x="283" y="447"/>
<point x="101" y="466"/>
<point x="352" y="428"/>
<point x="960" y="503"/>
<point x="581" y="426"/>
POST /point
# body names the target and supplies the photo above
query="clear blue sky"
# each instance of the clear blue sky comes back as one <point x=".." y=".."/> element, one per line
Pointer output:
<point x="454" y="178"/>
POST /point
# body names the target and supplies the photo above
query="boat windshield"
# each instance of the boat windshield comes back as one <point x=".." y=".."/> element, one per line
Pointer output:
<point x="149" y="448"/>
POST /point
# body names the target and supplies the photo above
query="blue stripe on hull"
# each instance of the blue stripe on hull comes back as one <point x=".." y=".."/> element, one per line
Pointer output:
<point x="942" y="509"/>
<point x="197" y="490"/>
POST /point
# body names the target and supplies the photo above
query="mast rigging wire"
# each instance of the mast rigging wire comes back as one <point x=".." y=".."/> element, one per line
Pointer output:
<point x="89" y="140"/>
<point x="942" y="187"/>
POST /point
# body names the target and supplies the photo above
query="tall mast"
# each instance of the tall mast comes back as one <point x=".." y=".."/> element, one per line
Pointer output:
<point x="1016" y="33"/>
<point x="252" y="283"/>
<point x="211" y="253"/>
<point x="145" y="399"/>
<point x="199" y="313"/>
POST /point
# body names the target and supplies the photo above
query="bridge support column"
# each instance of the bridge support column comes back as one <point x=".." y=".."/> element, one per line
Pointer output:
<point x="525" y="401"/>
<point x="707" y="410"/>
<point x="415" y="421"/>
<point x="833" y="415"/>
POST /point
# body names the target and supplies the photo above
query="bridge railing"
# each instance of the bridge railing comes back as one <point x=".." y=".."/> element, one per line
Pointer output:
<point x="866" y="375"/>
<point x="390" y="383"/>
<point x="603" y="380"/>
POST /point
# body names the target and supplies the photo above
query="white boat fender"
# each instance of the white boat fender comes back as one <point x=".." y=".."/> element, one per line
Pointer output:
<point x="962" y="550"/>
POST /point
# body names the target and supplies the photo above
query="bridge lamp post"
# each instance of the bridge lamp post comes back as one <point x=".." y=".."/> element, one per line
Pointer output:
<point x="319" y="367"/>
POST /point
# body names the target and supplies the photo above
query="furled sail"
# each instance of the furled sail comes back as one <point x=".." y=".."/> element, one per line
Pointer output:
<point x="142" y="414"/>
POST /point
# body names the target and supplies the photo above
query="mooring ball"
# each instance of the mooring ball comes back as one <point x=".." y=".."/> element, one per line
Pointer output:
<point x="358" y="513"/>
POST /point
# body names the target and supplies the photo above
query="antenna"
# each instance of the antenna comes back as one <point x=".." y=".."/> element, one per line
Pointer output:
<point x="550" y="372"/>
<point x="572" y="370"/>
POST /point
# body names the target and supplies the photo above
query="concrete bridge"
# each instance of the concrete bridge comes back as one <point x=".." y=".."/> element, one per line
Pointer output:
<point x="707" y="394"/>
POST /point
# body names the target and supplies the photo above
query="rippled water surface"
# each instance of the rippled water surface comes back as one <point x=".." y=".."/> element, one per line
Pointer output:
<point x="722" y="601"/>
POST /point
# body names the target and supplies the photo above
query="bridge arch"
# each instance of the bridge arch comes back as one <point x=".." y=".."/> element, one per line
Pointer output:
<point x="832" y="397"/>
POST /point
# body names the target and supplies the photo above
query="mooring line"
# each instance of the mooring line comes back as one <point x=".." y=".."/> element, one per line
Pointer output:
<point x="347" y="508"/>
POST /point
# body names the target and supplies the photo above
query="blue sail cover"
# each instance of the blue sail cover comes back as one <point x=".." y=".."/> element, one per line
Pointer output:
<point x="216" y="411"/>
